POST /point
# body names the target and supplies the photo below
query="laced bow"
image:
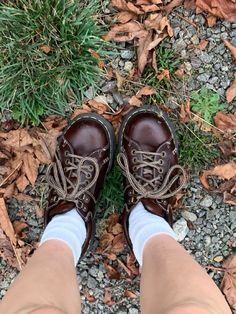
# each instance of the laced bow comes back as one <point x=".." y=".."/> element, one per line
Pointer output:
<point x="59" y="178"/>
<point x="158" y="189"/>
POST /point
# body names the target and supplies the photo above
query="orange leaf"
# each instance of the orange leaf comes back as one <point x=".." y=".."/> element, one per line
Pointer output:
<point x="46" y="49"/>
<point x="224" y="172"/>
<point x="229" y="198"/>
<point x="165" y="74"/>
<point x="179" y="72"/>
<point x="228" y="284"/>
<point x="118" y="243"/>
<point x="231" y="47"/>
<point x="146" y="91"/>
<point x="31" y="166"/>
<point x="125" y="16"/>
<point x="173" y="4"/>
<point x="112" y="273"/>
<point x="108" y="298"/>
<point x="202" y="45"/>
<point x="185" y="113"/>
<point x="211" y="20"/>
<point x="19" y="226"/>
<point x="130" y="294"/>
<point x="90" y="298"/>
<point x="18" y="138"/>
<point x="221" y="8"/>
<point x="22" y="183"/>
<point x="225" y="122"/>
<point x="231" y="91"/>
<point x="5" y="222"/>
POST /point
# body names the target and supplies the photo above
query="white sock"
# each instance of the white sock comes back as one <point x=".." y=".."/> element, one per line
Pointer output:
<point x="143" y="225"/>
<point x="69" y="228"/>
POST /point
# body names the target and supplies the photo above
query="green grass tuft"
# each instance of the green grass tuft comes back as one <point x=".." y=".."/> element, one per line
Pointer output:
<point x="206" y="103"/>
<point x="166" y="59"/>
<point x="197" y="150"/>
<point x="34" y="82"/>
<point x="112" y="194"/>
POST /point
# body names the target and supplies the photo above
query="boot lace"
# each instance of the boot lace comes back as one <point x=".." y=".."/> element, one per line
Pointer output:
<point x="157" y="187"/>
<point x="60" y="179"/>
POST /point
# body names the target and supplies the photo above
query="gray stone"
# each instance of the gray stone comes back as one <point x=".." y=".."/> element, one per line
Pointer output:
<point x="188" y="216"/>
<point x="206" y="201"/>
<point x="127" y="54"/>
<point x="195" y="40"/>
<point x="110" y="86"/>
<point x="203" y="77"/>
<point x="118" y="98"/>
<point x="207" y="240"/>
<point x="205" y="57"/>
<point x="133" y="311"/>
<point x="181" y="229"/>
<point x="92" y="283"/>
<point x="128" y="66"/>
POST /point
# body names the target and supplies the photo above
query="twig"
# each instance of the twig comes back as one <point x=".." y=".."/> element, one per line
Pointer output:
<point x="186" y="20"/>
<point x="216" y="268"/>
<point x="16" y="255"/>
<point x="13" y="171"/>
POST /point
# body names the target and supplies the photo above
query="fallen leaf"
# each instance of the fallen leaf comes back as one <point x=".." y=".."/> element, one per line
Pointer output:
<point x="224" y="172"/>
<point x="125" y="16"/>
<point x="225" y="9"/>
<point x="118" y="243"/>
<point x="48" y="142"/>
<point x="112" y="273"/>
<point x="131" y="264"/>
<point x="45" y="48"/>
<point x="106" y="240"/>
<point x="119" y="79"/>
<point x="165" y="74"/>
<point x="41" y="156"/>
<point x="135" y="102"/>
<point x="228" y="284"/>
<point x="108" y="298"/>
<point x="23" y="197"/>
<point x="54" y="122"/>
<point x="6" y="251"/>
<point x="123" y="266"/>
<point x="227" y="147"/>
<point x="211" y="20"/>
<point x="31" y="166"/>
<point x="18" y="138"/>
<point x="100" y="63"/>
<point x="90" y="298"/>
<point x="229" y="198"/>
<point x="172" y="5"/>
<point x="19" y="226"/>
<point x="225" y="122"/>
<point x="5" y="222"/>
<point x="231" y="47"/>
<point x="146" y="91"/>
<point x="185" y="113"/>
<point x="231" y="91"/>
<point x="22" y="183"/>
<point x="39" y="211"/>
<point x="130" y="294"/>
<point x="202" y="45"/>
<point x="179" y="72"/>
<point x="117" y="229"/>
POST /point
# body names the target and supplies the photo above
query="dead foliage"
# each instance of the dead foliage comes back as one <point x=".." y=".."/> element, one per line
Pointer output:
<point x="224" y="9"/>
<point x="228" y="284"/>
<point x="226" y="122"/>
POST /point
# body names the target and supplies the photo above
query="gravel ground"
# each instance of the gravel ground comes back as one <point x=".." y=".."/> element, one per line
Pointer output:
<point x="207" y="225"/>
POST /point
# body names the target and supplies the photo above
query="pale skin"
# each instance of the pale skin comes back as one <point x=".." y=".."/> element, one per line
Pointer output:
<point x="171" y="283"/>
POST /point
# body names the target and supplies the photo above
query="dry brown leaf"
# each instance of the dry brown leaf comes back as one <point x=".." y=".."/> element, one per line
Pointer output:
<point x="125" y="16"/>
<point x="106" y="240"/>
<point x="41" y="156"/>
<point x="112" y="273"/>
<point x="39" y="211"/>
<point x="135" y="102"/>
<point x="19" y="226"/>
<point x="231" y="47"/>
<point x="123" y="266"/>
<point x="118" y="243"/>
<point x="225" y="122"/>
<point x="55" y="122"/>
<point x="185" y="113"/>
<point x="224" y="172"/>
<point x="202" y="45"/>
<point x="228" y="284"/>
<point x="229" y="198"/>
<point x="48" y="142"/>
<point x="120" y="80"/>
<point x="231" y="91"/>
<point x="22" y="183"/>
<point x="172" y="5"/>
<point x="108" y="298"/>
<point x="126" y="32"/>
<point x="117" y="229"/>
<point x="165" y="74"/>
<point x="211" y="20"/>
<point x="228" y="147"/>
<point x="150" y="8"/>
<point x="5" y="222"/>
<point x="45" y="48"/>
<point x="130" y="294"/>
<point x="23" y="197"/>
<point x="10" y="190"/>
<point x="18" y="138"/>
<point x="143" y="51"/>
<point x="179" y="72"/>
<point x="90" y="298"/>
<point x="146" y="91"/>
<point x="31" y="166"/>
<point x="131" y="264"/>
<point x="225" y="9"/>
<point x="100" y="63"/>
<point x="6" y="251"/>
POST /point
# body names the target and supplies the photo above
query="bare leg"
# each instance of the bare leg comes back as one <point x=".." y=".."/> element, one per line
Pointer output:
<point x="172" y="282"/>
<point x="47" y="285"/>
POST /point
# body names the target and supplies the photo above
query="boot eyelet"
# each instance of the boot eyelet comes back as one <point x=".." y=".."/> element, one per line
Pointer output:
<point x="86" y="182"/>
<point x="163" y="154"/>
<point x="160" y="170"/>
<point x="67" y="162"/>
<point x="161" y="162"/>
<point x="133" y="152"/>
<point x="134" y="160"/>
<point x="91" y="168"/>
<point x="135" y="168"/>
<point x="67" y="153"/>
<point x="88" y="175"/>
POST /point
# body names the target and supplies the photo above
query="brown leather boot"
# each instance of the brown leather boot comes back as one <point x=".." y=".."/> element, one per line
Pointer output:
<point x="83" y="157"/>
<point x="149" y="160"/>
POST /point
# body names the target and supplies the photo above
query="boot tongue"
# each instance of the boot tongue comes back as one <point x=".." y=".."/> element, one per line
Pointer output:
<point x="61" y="208"/>
<point x="153" y="207"/>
